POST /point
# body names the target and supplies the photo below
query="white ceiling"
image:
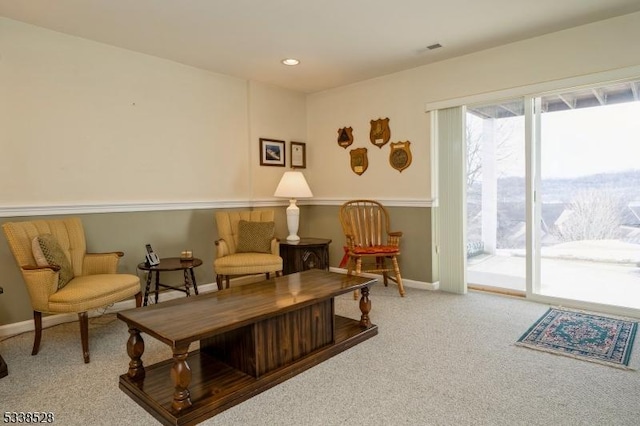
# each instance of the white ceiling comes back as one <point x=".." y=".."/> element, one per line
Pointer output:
<point x="337" y="41"/>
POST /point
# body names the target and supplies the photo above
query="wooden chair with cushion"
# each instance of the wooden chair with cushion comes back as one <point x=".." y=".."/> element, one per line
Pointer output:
<point x="370" y="246"/>
<point x="246" y="245"/>
<point x="61" y="277"/>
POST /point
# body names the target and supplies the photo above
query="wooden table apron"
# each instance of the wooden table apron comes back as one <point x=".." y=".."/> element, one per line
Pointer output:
<point x="252" y="337"/>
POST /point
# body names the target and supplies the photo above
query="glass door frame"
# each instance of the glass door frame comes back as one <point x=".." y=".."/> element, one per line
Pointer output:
<point x="533" y="179"/>
<point x="532" y="107"/>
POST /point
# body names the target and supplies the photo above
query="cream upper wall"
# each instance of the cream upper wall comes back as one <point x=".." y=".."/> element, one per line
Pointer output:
<point x="598" y="47"/>
<point x="83" y="123"/>
<point x="274" y="113"/>
<point x="105" y="121"/>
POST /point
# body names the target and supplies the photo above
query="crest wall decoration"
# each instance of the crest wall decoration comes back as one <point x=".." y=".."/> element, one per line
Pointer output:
<point x="380" y="132"/>
<point x="359" y="161"/>
<point x="400" y="155"/>
<point x="345" y="137"/>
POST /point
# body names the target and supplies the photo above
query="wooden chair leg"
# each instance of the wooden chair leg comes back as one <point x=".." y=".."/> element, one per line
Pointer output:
<point x="219" y="281"/>
<point x="396" y="269"/>
<point x="84" y="335"/>
<point x="350" y="268"/>
<point x="268" y="275"/>
<point x="227" y="280"/>
<point x="380" y="264"/>
<point x="138" y="299"/>
<point x="37" y="322"/>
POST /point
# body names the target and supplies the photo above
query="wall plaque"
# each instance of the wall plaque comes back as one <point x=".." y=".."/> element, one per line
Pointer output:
<point x="400" y="155"/>
<point x="359" y="160"/>
<point x="345" y="137"/>
<point x="380" y="132"/>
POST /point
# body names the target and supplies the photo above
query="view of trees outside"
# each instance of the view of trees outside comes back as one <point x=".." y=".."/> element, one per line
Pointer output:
<point x="590" y="176"/>
<point x="589" y="197"/>
<point x="509" y="171"/>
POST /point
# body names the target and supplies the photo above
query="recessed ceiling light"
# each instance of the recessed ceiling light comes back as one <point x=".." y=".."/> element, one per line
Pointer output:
<point x="290" y="61"/>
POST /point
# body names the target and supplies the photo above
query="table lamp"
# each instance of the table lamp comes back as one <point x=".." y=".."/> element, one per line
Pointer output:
<point x="293" y="185"/>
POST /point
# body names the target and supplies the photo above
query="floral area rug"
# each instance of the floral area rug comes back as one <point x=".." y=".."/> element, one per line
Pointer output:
<point x="586" y="336"/>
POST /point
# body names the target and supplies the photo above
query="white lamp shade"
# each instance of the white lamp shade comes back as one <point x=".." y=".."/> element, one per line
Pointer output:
<point x="293" y="185"/>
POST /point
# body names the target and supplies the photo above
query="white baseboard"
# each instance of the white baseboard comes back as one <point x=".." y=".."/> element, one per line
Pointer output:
<point x="422" y="285"/>
<point x="51" y="320"/>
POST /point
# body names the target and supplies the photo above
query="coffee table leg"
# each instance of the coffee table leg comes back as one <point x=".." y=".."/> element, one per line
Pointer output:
<point x="365" y="308"/>
<point x="181" y="376"/>
<point x="135" y="349"/>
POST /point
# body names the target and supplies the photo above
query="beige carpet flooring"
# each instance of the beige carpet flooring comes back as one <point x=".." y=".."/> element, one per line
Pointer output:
<point x="439" y="359"/>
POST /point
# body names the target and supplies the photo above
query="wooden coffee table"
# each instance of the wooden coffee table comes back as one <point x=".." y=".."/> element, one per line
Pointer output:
<point x="252" y="337"/>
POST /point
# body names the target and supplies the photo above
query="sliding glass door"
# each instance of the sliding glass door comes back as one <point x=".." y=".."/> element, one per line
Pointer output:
<point x="553" y="195"/>
<point x="589" y="195"/>
<point x="495" y="182"/>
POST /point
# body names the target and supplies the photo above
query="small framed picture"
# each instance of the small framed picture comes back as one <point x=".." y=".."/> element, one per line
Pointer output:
<point x="272" y="152"/>
<point x="298" y="155"/>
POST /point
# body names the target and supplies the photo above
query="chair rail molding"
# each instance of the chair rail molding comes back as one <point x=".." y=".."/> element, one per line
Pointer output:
<point x="64" y="209"/>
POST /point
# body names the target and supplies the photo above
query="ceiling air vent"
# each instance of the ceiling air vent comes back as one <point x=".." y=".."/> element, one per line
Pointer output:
<point x="434" y="46"/>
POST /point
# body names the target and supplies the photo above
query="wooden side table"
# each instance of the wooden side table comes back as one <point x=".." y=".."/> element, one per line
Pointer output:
<point x="308" y="253"/>
<point x="171" y="264"/>
<point x="4" y="370"/>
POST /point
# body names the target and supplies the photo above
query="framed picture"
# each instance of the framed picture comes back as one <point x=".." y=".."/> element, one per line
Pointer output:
<point x="272" y="152"/>
<point x="298" y="155"/>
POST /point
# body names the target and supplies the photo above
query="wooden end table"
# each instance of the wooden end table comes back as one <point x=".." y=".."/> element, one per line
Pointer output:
<point x="171" y="264"/>
<point x="4" y="370"/>
<point x="308" y="253"/>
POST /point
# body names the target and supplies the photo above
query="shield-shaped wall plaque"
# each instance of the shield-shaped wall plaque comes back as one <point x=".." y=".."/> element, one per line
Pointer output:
<point x="359" y="160"/>
<point x="380" y="132"/>
<point x="345" y="137"/>
<point x="400" y="155"/>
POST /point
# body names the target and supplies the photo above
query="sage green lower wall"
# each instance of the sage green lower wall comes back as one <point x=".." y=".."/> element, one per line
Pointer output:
<point x="170" y="232"/>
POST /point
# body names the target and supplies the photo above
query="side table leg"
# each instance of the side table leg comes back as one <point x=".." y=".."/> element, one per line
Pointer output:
<point x="146" y="289"/>
<point x="193" y="281"/>
<point x="187" y="282"/>
<point x="157" y="285"/>
<point x="181" y="376"/>
<point x="135" y="349"/>
<point x="365" y="308"/>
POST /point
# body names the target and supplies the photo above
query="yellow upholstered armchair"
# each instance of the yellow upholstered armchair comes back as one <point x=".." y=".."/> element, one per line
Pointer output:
<point x="370" y="245"/>
<point x="61" y="277"/>
<point x="246" y="245"/>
